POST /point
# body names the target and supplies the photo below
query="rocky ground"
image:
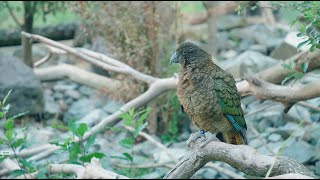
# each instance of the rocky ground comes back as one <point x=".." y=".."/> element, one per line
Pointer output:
<point x="242" y="49"/>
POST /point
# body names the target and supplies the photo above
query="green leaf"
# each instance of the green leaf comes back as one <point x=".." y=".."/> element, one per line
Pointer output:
<point x="115" y="129"/>
<point x="18" y="142"/>
<point x="6" y="97"/>
<point x="82" y="129"/>
<point x="3" y="157"/>
<point x="90" y="141"/>
<point x="126" y="143"/>
<point x="8" y="125"/>
<point x="291" y="64"/>
<point x="2" y="141"/>
<point x="302" y="44"/>
<point x="253" y="7"/>
<point x="9" y="134"/>
<point x="87" y="158"/>
<point x="293" y="23"/>
<point x="309" y="25"/>
<point x="26" y="164"/>
<point x="286" y="66"/>
<point x="1" y="114"/>
<point x="140" y="128"/>
<point x="17" y="172"/>
<point x="298" y="75"/>
<point x="304" y="66"/>
<point x="73" y="127"/>
<point x="289" y="76"/>
<point x="131" y="112"/>
<point x="19" y="115"/>
<point x="313" y="47"/>
<point x="74" y="151"/>
<point x="128" y="156"/>
<point x="6" y="108"/>
<point x="300" y="34"/>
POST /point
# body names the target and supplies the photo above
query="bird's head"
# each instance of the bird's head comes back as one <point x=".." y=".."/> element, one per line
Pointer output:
<point x="188" y="53"/>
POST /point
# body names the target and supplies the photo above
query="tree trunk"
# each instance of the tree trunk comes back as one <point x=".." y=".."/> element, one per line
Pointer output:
<point x="29" y="8"/>
<point x="212" y="29"/>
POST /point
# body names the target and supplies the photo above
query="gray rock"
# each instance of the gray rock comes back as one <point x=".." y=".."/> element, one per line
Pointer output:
<point x="255" y="143"/>
<point x="224" y="42"/>
<point x="57" y="95"/>
<point x="288" y="47"/>
<point x="311" y="77"/>
<point x="163" y="157"/>
<point x="206" y="173"/>
<point x="299" y="150"/>
<point x="230" y="21"/>
<point x="79" y="109"/>
<point x="300" y="112"/>
<point x="315" y="132"/>
<point x="27" y="93"/>
<point x="289" y="128"/>
<point x="64" y="87"/>
<point x="50" y="106"/>
<point x="93" y="117"/>
<point x="259" y="34"/>
<point x="274" y="137"/>
<point x="228" y="54"/>
<point x="73" y="94"/>
<point x="249" y="62"/>
<point x="283" y="51"/>
<point x="85" y="90"/>
<point x="261" y="48"/>
<point x="37" y="52"/>
<point x="317" y="167"/>
<point x="112" y="106"/>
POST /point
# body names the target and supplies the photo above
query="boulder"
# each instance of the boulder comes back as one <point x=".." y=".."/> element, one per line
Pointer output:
<point x="288" y="47"/>
<point x="27" y="93"/>
<point x="258" y="34"/>
<point x="249" y="62"/>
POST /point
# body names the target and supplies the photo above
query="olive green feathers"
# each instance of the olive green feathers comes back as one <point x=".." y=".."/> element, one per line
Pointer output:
<point x="209" y="95"/>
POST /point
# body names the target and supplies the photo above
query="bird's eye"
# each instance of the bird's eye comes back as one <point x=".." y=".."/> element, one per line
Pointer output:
<point x="184" y="52"/>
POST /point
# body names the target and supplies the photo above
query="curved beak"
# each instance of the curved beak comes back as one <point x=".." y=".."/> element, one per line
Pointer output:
<point x="174" y="58"/>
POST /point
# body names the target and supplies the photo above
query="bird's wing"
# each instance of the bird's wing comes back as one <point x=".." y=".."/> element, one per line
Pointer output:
<point x="229" y="101"/>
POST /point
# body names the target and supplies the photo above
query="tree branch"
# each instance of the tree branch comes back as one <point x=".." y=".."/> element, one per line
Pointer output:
<point x="241" y="157"/>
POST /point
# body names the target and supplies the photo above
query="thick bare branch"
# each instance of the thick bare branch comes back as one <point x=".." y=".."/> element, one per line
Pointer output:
<point x="241" y="157"/>
<point x="78" y="75"/>
<point x="111" y="65"/>
<point x="285" y="94"/>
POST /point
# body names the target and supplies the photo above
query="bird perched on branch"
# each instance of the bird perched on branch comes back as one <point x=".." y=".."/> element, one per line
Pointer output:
<point x="208" y="95"/>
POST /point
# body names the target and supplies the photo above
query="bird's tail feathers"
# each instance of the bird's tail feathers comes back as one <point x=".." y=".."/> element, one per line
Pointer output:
<point x="231" y="137"/>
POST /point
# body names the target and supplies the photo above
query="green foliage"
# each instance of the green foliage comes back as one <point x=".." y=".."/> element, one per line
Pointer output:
<point x="12" y="141"/>
<point x="293" y="72"/>
<point x="46" y="13"/>
<point x="78" y="151"/>
<point x="172" y="111"/>
<point x="137" y="122"/>
<point x="310" y="24"/>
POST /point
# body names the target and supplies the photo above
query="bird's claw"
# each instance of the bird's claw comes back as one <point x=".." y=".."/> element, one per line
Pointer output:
<point x="194" y="138"/>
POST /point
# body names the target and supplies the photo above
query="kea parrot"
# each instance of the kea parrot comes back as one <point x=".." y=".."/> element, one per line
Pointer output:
<point x="208" y="95"/>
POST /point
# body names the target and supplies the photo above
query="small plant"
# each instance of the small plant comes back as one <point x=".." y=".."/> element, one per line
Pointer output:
<point x="13" y="140"/>
<point x="78" y="151"/>
<point x="293" y="73"/>
<point x="137" y="124"/>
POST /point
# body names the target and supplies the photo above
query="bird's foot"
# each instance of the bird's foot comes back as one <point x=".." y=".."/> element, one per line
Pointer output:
<point x="211" y="138"/>
<point x="196" y="137"/>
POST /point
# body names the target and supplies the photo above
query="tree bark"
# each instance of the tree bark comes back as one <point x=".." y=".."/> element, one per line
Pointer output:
<point x="29" y="8"/>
